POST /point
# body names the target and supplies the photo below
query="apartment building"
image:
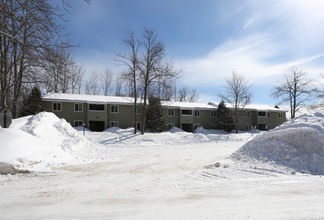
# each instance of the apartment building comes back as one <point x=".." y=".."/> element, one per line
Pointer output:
<point x="101" y="112"/>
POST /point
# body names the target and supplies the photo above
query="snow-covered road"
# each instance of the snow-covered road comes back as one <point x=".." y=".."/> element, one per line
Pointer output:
<point x="162" y="182"/>
<point x="170" y="175"/>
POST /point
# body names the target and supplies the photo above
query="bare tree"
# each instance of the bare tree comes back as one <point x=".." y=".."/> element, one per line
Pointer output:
<point x="92" y="84"/>
<point x="237" y="94"/>
<point x="132" y="74"/>
<point x="77" y="73"/>
<point x="27" y="29"/>
<point x="107" y="80"/>
<point x="167" y="89"/>
<point x="58" y="69"/>
<point x="119" y="82"/>
<point x="193" y="96"/>
<point x="187" y="95"/>
<point x="153" y="66"/>
<point x="183" y="94"/>
<point x="294" y="89"/>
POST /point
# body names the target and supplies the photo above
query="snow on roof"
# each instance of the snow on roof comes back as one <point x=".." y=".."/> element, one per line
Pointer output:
<point x="129" y="101"/>
<point x="188" y="105"/>
<point x="87" y="98"/>
<point x="257" y="107"/>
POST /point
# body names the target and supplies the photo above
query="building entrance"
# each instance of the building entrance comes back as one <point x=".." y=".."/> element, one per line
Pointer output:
<point x="96" y="125"/>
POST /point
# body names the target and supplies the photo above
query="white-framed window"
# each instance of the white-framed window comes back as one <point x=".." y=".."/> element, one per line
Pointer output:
<point x="114" y="108"/>
<point x="268" y="114"/>
<point x="262" y="114"/>
<point x="170" y="112"/>
<point x="213" y="114"/>
<point x="170" y="125"/>
<point x="78" y="123"/>
<point x="57" y="106"/>
<point x="114" y="123"/>
<point x="137" y="110"/>
<point x="186" y="112"/>
<point x="197" y="113"/>
<point x="247" y="114"/>
<point x="280" y="115"/>
<point x="248" y="127"/>
<point x="97" y="107"/>
<point x="78" y="107"/>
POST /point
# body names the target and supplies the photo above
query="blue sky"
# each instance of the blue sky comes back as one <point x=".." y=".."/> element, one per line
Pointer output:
<point x="208" y="38"/>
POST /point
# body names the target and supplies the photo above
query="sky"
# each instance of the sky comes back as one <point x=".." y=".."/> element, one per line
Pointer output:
<point x="208" y="39"/>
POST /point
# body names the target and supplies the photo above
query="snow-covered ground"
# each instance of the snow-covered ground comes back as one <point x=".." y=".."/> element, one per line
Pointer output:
<point x="116" y="174"/>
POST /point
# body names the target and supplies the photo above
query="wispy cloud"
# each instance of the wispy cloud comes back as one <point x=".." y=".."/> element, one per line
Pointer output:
<point x="247" y="56"/>
<point x="270" y="43"/>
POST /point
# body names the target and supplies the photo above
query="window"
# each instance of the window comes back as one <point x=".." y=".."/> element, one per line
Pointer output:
<point x="114" y="109"/>
<point x="247" y="114"/>
<point x="280" y="115"/>
<point x="78" y="123"/>
<point x="248" y="127"/>
<point x="97" y="107"/>
<point x="78" y="107"/>
<point x="262" y="114"/>
<point x="233" y="113"/>
<point x="170" y="125"/>
<point x="269" y="114"/>
<point x="114" y="123"/>
<point x="197" y="113"/>
<point x="213" y="114"/>
<point x="137" y="110"/>
<point x="57" y="106"/>
<point x="170" y="112"/>
<point x="186" y="112"/>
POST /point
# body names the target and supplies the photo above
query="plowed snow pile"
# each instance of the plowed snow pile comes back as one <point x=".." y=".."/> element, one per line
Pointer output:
<point x="297" y="144"/>
<point x="43" y="140"/>
<point x="49" y="127"/>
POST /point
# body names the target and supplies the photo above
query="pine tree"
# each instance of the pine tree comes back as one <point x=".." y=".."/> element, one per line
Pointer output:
<point x="33" y="103"/>
<point x="224" y="120"/>
<point x="156" y="121"/>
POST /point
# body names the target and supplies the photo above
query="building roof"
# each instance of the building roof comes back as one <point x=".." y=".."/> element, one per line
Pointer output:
<point x="188" y="105"/>
<point x="88" y="98"/>
<point x="255" y="107"/>
<point x="129" y="101"/>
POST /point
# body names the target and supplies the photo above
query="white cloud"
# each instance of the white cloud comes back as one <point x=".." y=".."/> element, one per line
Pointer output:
<point x="249" y="56"/>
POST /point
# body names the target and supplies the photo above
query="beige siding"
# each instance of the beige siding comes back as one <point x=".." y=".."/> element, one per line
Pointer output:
<point x="125" y="116"/>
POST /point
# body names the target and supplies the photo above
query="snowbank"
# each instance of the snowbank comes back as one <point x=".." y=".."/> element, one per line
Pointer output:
<point x="297" y="144"/>
<point x="48" y="127"/>
<point x="23" y="149"/>
<point x="41" y="141"/>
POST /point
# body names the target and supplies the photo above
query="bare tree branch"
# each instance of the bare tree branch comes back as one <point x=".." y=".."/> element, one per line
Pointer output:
<point x="237" y="94"/>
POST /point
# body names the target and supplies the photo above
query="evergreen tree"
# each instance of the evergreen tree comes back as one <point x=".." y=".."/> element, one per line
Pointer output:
<point x="33" y="103"/>
<point x="224" y="120"/>
<point x="156" y="121"/>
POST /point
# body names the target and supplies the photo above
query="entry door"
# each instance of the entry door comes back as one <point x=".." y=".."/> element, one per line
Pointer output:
<point x="96" y="125"/>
